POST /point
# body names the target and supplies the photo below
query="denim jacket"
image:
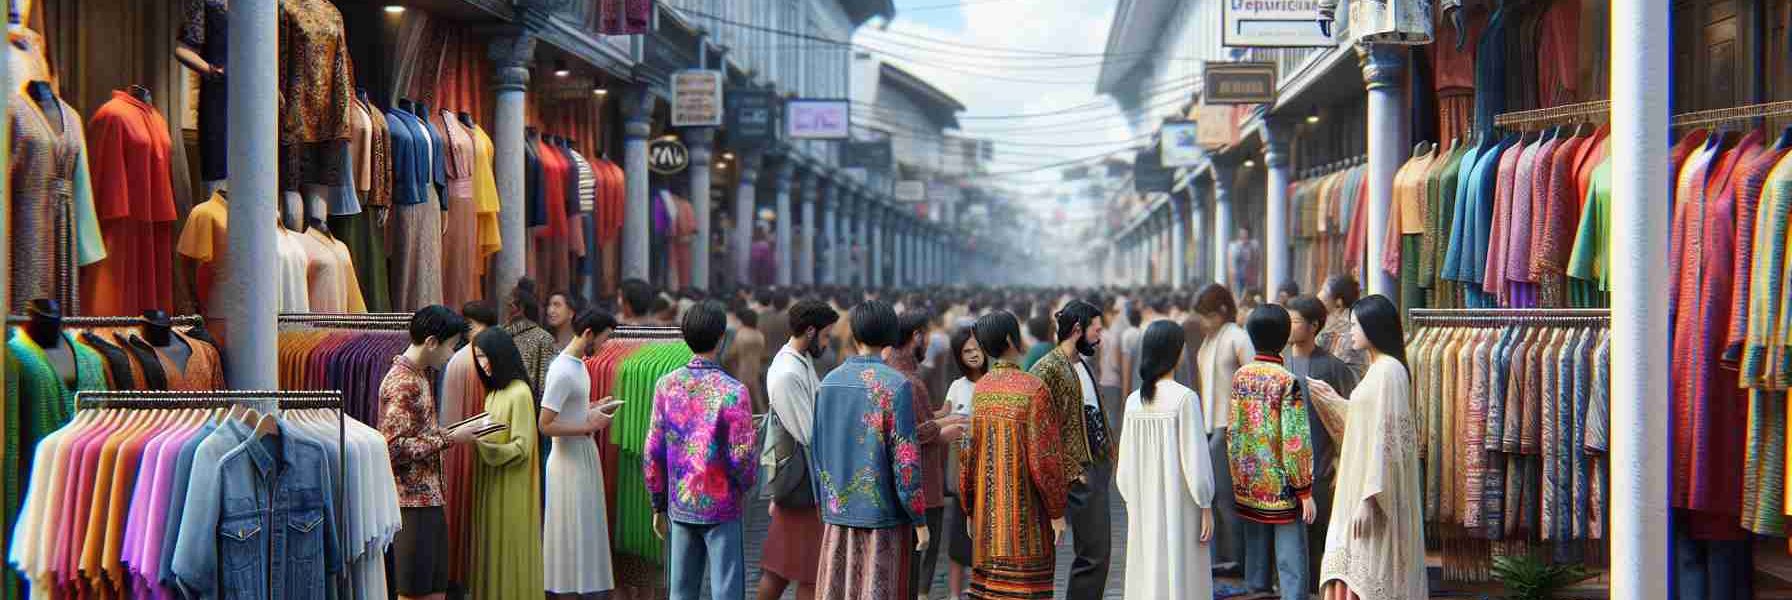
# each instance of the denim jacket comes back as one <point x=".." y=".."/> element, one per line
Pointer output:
<point x="259" y="522"/>
<point x="865" y="459"/>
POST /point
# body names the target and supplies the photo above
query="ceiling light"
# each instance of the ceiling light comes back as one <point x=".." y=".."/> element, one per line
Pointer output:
<point x="600" y="92"/>
<point x="393" y="9"/>
<point x="1313" y="118"/>
<point x="1248" y="163"/>
<point x="727" y="156"/>
<point x="560" y="69"/>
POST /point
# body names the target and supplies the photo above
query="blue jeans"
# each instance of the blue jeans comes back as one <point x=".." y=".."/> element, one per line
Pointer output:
<point x="719" y="549"/>
<point x="1291" y="557"/>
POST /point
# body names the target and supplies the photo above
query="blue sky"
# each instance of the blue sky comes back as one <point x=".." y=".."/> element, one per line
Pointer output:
<point x="949" y="19"/>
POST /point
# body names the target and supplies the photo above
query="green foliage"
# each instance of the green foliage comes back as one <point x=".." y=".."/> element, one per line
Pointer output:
<point x="1532" y="578"/>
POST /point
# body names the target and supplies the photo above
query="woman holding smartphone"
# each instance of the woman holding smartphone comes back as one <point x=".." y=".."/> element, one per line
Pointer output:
<point x="506" y="537"/>
<point x="575" y="545"/>
<point x="1374" y="547"/>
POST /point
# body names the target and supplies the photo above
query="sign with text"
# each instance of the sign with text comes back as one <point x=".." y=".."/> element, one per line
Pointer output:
<point x="752" y="117"/>
<point x="1272" y="24"/>
<point x="873" y="155"/>
<point x="667" y="156"/>
<point x="697" y="98"/>
<point x="1239" y="83"/>
<point x="1179" y="145"/>
<point x="911" y="191"/>
<point x="811" y="119"/>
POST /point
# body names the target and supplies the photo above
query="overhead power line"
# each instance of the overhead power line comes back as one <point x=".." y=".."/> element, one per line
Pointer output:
<point x="1020" y="52"/>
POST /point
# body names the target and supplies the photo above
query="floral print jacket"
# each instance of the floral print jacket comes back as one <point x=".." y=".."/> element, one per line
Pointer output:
<point x="701" y="448"/>
<point x="1269" y="445"/>
<point x="865" y="458"/>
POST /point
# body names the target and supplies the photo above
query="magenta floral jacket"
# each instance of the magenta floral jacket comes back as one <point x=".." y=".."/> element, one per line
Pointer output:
<point x="701" y="455"/>
<point x="864" y="455"/>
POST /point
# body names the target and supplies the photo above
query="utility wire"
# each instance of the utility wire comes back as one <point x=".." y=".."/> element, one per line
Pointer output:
<point x="958" y="45"/>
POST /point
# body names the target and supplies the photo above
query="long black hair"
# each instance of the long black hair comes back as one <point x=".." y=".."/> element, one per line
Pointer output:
<point x="1380" y="321"/>
<point x="997" y="333"/>
<point x="500" y="351"/>
<point x="1159" y="350"/>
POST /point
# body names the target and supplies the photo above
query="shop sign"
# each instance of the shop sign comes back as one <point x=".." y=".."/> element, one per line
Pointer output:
<point x="1238" y="83"/>
<point x="697" y="98"/>
<point x="1272" y="24"/>
<point x="752" y="117"/>
<point x="873" y="155"/>
<point x="911" y="191"/>
<point x="667" y="156"/>
<point x="1178" y="145"/>
<point x="1148" y="173"/>
<point x="1215" y="127"/>
<point x="816" y="119"/>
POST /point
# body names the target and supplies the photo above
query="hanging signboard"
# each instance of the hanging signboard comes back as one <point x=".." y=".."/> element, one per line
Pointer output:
<point x="1238" y="83"/>
<point x="752" y="117"/>
<point x="1215" y="127"/>
<point x="813" y="119"/>
<point x="910" y="191"/>
<point x="1178" y="145"/>
<point x="874" y="155"/>
<point x="697" y="98"/>
<point x="667" y="156"/>
<point x="1272" y="24"/>
<point x="1147" y="173"/>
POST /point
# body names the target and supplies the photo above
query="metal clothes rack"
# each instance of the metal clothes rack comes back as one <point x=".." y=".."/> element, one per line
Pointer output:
<point x="1733" y="115"/>
<point x="282" y="399"/>
<point x="646" y="332"/>
<point x="1510" y="316"/>
<point x="1582" y="112"/>
<point x="380" y="321"/>
<point x="1334" y="166"/>
<point x="178" y="321"/>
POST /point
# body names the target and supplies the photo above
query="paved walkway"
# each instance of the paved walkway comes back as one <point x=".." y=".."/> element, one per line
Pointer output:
<point x="756" y="529"/>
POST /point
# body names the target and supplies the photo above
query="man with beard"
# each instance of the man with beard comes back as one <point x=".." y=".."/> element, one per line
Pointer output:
<point x="793" y="543"/>
<point x="905" y="357"/>
<point x="1088" y="454"/>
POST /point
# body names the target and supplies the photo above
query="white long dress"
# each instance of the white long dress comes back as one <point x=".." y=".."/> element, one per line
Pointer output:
<point x="1166" y="478"/>
<point x="575" y="541"/>
<point x="1379" y="457"/>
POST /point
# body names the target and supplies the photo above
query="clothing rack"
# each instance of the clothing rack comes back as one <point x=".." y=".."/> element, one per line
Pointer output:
<point x="1498" y="316"/>
<point x="179" y="321"/>
<point x="1581" y="112"/>
<point x="1333" y="167"/>
<point x="284" y="400"/>
<point x="383" y="321"/>
<point x="646" y="332"/>
<point x="1732" y="115"/>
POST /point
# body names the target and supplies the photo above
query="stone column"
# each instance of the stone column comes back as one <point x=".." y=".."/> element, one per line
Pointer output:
<point x="874" y="219"/>
<point x="831" y="271"/>
<point x="744" y="197"/>
<point x="1178" y="243"/>
<point x="637" y="115"/>
<point x="698" y="140"/>
<point x="1383" y="73"/>
<point x="1639" y="329"/>
<point x="851" y="233"/>
<point x="250" y="287"/>
<point x="1197" y="219"/>
<point x="1224" y="171"/>
<point x="805" y="269"/>
<point x="510" y="57"/>
<point x="1278" y="132"/>
<point x="781" y="189"/>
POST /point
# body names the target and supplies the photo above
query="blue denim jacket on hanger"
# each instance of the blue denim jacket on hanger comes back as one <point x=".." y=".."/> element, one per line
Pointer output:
<point x="260" y="522"/>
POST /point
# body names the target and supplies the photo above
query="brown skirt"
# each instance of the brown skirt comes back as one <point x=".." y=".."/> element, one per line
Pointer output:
<point x="865" y="564"/>
<point x="793" y="544"/>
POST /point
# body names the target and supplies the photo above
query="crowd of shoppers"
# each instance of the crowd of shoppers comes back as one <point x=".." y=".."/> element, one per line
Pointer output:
<point x="887" y="430"/>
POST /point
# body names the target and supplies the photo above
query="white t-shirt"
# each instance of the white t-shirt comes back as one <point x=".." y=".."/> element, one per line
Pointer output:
<point x="1090" y="398"/>
<point x="568" y="389"/>
<point x="959" y="396"/>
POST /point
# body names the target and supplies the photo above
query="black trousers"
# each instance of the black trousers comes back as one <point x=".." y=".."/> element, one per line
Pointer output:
<point x="1091" y="530"/>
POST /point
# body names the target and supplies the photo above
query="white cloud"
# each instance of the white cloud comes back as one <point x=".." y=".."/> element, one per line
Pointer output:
<point x="971" y="68"/>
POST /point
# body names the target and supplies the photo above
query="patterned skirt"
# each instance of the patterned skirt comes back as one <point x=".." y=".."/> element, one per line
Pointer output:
<point x="866" y="564"/>
<point x="1010" y="579"/>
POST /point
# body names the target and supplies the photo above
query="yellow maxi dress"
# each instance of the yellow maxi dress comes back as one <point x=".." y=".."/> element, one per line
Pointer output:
<point x="506" y="536"/>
